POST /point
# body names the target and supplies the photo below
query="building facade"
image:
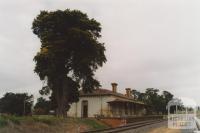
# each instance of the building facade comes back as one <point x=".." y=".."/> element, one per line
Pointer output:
<point x="107" y="103"/>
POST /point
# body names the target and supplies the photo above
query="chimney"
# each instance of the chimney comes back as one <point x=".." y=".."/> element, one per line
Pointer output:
<point x="128" y="92"/>
<point x="114" y="87"/>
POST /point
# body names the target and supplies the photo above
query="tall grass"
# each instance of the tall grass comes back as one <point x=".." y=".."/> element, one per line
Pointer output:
<point x="3" y="122"/>
<point x="49" y="120"/>
<point x="5" y="119"/>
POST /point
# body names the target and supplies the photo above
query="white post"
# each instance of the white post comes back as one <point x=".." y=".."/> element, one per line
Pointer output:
<point x="186" y="111"/>
<point x="169" y="110"/>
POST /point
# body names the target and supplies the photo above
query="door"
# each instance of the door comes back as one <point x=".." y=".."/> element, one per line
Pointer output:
<point x="84" y="109"/>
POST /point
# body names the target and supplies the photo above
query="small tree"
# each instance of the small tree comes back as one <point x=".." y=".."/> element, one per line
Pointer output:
<point x="42" y="106"/>
<point x="158" y="102"/>
<point x="167" y="96"/>
<point x="136" y="94"/>
<point x="16" y="104"/>
<point x="69" y="55"/>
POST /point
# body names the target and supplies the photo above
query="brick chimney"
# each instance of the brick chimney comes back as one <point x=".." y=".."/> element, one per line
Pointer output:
<point x="114" y="87"/>
<point x="128" y="92"/>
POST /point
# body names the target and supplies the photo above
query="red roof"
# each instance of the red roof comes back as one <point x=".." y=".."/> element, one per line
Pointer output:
<point x="100" y="92"/>
<point x="105" y="92"/>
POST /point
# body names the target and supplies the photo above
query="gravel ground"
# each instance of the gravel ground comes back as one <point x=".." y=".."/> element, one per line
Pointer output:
<point x="157" y="128"/>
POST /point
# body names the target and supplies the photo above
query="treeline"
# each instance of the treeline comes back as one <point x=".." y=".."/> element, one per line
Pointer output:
<point x="16" y="104"/>
<point x="22" y="104"/>
<point x="156" y="100"/>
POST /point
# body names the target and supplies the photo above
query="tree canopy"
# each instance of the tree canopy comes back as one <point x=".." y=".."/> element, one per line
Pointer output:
<point x="70" y="53"/>
<point x="16" y="104"/>
<point x="156" y="101"/>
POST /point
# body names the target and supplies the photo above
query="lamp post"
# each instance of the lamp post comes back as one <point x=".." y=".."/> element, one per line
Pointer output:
<point x="24" y="107"/>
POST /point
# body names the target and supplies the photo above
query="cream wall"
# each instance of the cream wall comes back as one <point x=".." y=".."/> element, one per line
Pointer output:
<point x="95" y="103"/>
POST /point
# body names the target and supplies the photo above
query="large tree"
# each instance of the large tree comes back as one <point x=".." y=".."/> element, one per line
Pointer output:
<point x="70" y="53"/>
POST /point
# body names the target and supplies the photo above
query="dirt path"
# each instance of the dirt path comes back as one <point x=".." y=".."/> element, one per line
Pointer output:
<point x="164" y="130"/>
<point x="157" y="128"/>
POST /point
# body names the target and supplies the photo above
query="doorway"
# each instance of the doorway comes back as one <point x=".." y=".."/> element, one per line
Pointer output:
<point x="84" y="108"/>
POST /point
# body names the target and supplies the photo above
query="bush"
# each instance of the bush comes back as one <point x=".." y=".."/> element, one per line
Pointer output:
<point x="39" y="111"/>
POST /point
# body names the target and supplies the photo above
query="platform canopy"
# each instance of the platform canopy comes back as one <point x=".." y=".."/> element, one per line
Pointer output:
<point x="124" y="101"/>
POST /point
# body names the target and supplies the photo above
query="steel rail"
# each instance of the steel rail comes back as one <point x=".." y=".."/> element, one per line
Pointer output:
<point x="126" y="127"/>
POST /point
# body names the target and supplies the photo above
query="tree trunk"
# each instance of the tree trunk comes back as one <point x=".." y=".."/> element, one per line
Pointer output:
<point x="60" y="104"/>
<point x="61" y="101"/>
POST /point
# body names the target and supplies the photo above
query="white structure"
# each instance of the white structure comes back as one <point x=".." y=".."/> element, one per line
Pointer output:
<point x="107" y="103"/>
<point x="182" y="113"/>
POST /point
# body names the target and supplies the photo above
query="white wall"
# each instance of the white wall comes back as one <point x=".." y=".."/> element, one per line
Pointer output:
<point x="95" y="104"/>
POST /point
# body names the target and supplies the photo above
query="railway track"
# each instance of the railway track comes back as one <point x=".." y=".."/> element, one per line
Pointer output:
<point x="126" y="127"/>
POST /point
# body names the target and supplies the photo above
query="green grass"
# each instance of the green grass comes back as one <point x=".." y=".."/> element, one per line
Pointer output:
<point x="3" y="122"/>
<point x="94" y="124"/>
<point x="50" y="120"/>
<point x="5" y="119"/>
<point x="47" y="119"/>
<point x="14" y="119"/>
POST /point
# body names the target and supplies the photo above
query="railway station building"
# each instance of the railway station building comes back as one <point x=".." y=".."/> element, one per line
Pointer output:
<point x="107" y="103"/>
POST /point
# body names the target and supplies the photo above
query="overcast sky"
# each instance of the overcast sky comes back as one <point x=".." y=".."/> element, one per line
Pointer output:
<point x="150" y="43"/>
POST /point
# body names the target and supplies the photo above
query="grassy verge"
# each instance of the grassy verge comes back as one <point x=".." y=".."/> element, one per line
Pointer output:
<point x="51" y="122"/>
<point x="3" y="122"/>
<point x="93" y="124"/>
